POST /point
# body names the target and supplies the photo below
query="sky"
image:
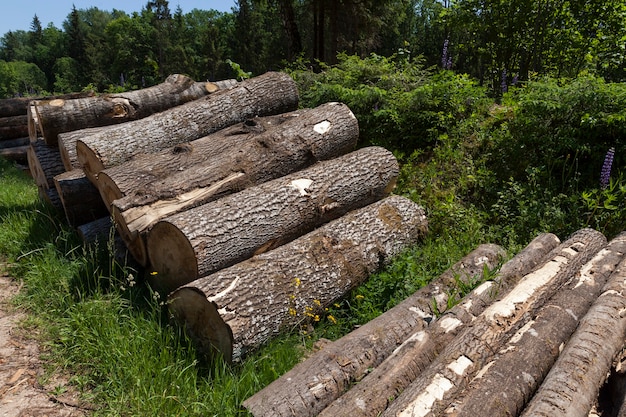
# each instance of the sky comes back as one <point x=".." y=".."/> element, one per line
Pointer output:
<point x="18" y="14"/>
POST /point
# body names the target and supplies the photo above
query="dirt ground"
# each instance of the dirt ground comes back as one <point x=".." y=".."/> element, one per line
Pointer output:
<point x="21" y="369"/>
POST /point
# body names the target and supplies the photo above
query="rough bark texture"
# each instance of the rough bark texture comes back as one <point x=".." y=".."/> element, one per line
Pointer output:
<point x="80" y="199"/>
<point x="13" y="127"/>
<point x="260" y="148"/>
<point x="45" y="163"/>
<point x="13" y="143"/>
<point x="571" y="387"/>
<point x="58" y="116"/>
<point x="241" y="307"/>
<point x="101" y="231"/>
<point x="202" y="240"/>
<point x="313" y="384"/>
<point x="50" y="196"/>
<point x="67" y="145"/>
<point x="524" y="361"/>
<point x="372" y="394"/>
<point x="458" y="363"/>
<point x="17" y="154"/>
<point x="18" y="106"/>
<point x="96" y="230"/>
<point x="271" y="93"/>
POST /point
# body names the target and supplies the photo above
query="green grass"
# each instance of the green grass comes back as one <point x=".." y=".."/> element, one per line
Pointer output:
<point x="101" y="325"/>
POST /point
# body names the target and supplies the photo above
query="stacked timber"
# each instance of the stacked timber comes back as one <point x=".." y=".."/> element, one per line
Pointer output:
<point x="541" y="345"/>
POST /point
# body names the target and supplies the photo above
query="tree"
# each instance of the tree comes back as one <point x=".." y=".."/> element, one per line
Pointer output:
<point x="77" y="43"/>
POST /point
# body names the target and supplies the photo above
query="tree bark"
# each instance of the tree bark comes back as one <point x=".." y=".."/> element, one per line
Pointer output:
<point x="50" y="196"/>
<point x="19" y="106"/>
<point x="241" y="307"/>
<point x="13" y="127"/>
<point x="205" y="239"/>
<point x="17" y="154"/>
<point x="524" y="361"/>
<point x="79" y="198"/>
<point x="431" y="393"/>
<point x="67" y="145"/>
<point x="101" y="230"/>
<point x="58" y="116"/>
<point x="271" y="93"/>
<point x="44" y="163"/>
<point x="260" y="148"/>
<point x="571" y="387"/>
<point x="372" y="394"/>
<point x="14" y="143"/>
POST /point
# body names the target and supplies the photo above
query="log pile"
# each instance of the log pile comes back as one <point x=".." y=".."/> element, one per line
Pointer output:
<point x="251" y="217"/>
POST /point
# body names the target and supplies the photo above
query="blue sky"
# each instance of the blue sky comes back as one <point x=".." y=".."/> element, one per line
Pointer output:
<point x="18" y="14"/>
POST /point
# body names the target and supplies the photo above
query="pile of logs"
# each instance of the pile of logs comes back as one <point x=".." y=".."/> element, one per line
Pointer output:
<point x="251" y="215"/>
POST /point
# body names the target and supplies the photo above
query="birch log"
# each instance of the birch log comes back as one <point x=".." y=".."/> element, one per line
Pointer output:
<point x="372" y="394"/>
<point x="261" y="148"/>
<point x="202" y="240"/>
<point x="571" y="387"/>
<point x="241" y="307"/>
<point x="474" y="347"/>
<point x="508" y="382"/>
<point x="271" y="93"/>
<point x="59" y="115"/>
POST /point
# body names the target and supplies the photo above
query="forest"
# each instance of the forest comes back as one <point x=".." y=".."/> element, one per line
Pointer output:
<point x="498" y="43"/>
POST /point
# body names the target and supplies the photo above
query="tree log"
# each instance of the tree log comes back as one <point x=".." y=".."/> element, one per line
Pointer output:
<point x="372" y="394"/>
<point x="271" y="93"/>
<point x="241" y="307"/>
<point x="80" y="199"/>
<point x="13" y="127"/>
<point x="205" y="239"/>
<point x="13" y="143"/>
<point x="19" y="106"/>
<point x="102" y="230"/>
<point x="50" y="196"/>
<point x="45" y="163"/>
<point x="524" y="361"/>
<point x="58" y="116"/>
<point x="262" y="149"/>
<point x="17" y="154"/>
<point x="432" y="392"/>
<point x="67" y="145"/>
<point x="571" y="387"/>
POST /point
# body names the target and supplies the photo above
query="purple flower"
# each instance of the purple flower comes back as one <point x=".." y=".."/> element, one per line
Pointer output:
<point x="605" y="176"/>
<point x="503" y="84"/>
<point x="446" y="60"/>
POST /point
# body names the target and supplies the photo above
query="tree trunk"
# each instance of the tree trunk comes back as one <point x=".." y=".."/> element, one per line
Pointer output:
<point x="14" y="143"/>
<point x="239" y="308"/>
<point x="58" y="116"/>
<point x="80" y="199"/>
<point x="432" y="392"/>
<point x="571" y="387"/>
<point x="205" y="239"/>
<point x="261" y="149"/>
<point x="50" y="196"/>
<point x="67" y="145"/>
<point x="372" y="394"/>
<point x="524" y="361"/>
<point x="45" y="163"/>
<point x="13" y="127"/>
<point x="19" y="106"/>
<point x="271" y="93"/>
<point x="17" y="154"/>
<point x="101" y="230"/>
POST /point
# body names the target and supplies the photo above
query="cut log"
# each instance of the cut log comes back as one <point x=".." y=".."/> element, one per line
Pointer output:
<point x="102" y="231"/>
<point x="13" y="143"/>
<point x="80" y="199"/>
<point x="32" y="123"/>
<point x="241" y="307"/>
<point x="372" y="394"/>
<point x="271" y="93"/>
<point x="313" y="384"/>
<point x="431" y="393"/>
<point x="18" y="154"/>
<point x="45" y="163"/>
<point x="58" y="116"/>
<point x="262" y="149"/>
<point x="19" y="106"/>
<point x="50" y="196"/>
<point x="524" y="361"/>
<point x="67" y="145"/>
<point x="205" y="239"/>
<point x="571" y="387"/>
<point x="13" y="127"/>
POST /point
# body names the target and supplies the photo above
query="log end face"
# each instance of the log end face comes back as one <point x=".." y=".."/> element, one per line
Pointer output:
<point x="202" y="322"/>
<point x="109" y="191"/>
<point x="172" y="258"/>
<point x="88" y="159"/>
